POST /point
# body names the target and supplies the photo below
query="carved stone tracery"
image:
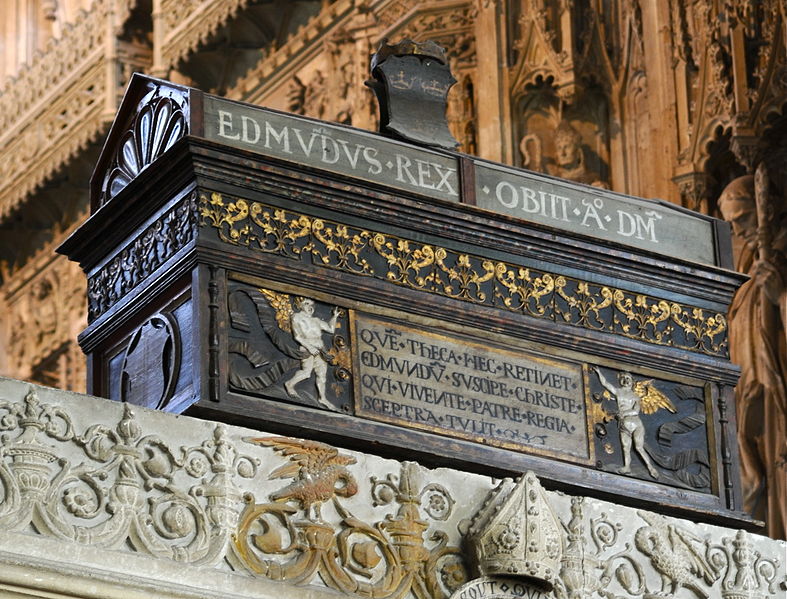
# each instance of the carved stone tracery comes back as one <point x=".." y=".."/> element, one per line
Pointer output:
<point x="45" y="314"/>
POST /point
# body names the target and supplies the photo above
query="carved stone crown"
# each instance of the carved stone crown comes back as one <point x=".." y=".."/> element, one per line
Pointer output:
<point x="515" y="533"/>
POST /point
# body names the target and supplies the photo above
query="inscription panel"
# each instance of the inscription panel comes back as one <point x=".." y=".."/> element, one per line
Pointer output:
<point x="339" y="150"/>
<point x="485" y="394"/>
<point x="632" y="221"/>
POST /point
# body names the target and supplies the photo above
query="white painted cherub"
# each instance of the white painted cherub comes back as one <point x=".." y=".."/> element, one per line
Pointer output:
<point x="307" y="330"/>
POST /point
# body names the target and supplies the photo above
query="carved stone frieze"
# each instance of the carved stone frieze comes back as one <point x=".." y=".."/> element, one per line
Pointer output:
<point x="464" y="277"/>
<point x="181" y="25"/>
<point x="168" y="234"/>
<point x="93" y="478"/>
<point x="122" y="488"/>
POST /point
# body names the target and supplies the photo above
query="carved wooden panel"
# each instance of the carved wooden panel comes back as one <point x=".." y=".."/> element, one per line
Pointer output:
<point x="286" y="347"/>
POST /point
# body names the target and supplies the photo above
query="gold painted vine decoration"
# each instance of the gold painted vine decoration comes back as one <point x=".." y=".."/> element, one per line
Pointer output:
<point x="465" y="277"/>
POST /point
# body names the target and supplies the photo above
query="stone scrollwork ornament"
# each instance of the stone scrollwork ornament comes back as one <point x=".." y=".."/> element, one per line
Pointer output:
<point x="516" y="533"/>
<point x="386" y="559"/>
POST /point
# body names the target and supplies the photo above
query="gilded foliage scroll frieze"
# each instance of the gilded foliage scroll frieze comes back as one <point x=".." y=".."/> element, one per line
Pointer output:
<point x="462" y="276"/>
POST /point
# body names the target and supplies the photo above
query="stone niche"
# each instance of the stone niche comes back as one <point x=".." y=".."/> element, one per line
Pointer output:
<point x="257" y="267"/>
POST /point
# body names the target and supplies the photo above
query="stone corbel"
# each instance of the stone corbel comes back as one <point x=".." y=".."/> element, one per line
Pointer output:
<point x="694" y="188"/>
<point x="744" y="143"/>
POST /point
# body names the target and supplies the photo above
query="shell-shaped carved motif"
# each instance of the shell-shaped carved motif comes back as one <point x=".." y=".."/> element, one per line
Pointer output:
<point x="156" y="127"/>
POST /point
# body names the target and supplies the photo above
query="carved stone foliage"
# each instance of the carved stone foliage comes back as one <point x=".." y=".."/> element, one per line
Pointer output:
<point x="288" y="348"/>
<point x="468" y="278"/>
<point x="125" y="487"/>
<point x="661" y="429"/>
<point x="171" y="232"/>
<point x="388" y="558"/>
<point x="159" y="122"/>
<point x="730" y="59"/>
<point x="664" y="558"/>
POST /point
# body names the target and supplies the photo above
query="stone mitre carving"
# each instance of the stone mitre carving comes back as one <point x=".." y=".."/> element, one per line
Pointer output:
<point x="515" y="533"/>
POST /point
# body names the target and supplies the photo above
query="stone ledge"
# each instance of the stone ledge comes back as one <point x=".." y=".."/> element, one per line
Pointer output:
<point x="101" y="500"/>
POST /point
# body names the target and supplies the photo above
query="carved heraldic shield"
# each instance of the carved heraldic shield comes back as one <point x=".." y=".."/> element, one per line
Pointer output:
<point x="411" y="81"/>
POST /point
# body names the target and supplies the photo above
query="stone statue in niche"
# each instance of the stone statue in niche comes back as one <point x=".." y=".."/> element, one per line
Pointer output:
<point x="757" y="344"/>
<point x="570" y="157"/>
<point x="633" y="399"/>
<point x="44" y="311"/>
<point x="289" y="348"/>
<point x="567" y="140"/>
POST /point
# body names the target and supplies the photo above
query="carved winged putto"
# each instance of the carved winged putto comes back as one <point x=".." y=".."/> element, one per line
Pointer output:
<point x="677" y="555"/>
<point x="318" y="469"/>
<point x="294" y="329"/>
<point x="652" y="399"/>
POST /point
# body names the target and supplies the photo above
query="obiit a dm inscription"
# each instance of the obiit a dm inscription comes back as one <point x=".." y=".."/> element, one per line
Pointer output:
<point x="455" y="387"/>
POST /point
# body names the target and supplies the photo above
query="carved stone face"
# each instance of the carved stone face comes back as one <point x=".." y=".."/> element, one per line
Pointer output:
<point x="567" y="150"/>
<point x="740" y="212"/>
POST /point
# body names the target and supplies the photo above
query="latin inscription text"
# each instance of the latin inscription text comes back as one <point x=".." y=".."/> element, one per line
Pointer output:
<point x="449" y="386"/>
<point x="335" y="149"/>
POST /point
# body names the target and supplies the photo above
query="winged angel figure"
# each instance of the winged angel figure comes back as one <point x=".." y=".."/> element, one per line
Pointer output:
<point x="297" y="333"/>
<point x="318" y="471"/>
<point x="633" y="399"/>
